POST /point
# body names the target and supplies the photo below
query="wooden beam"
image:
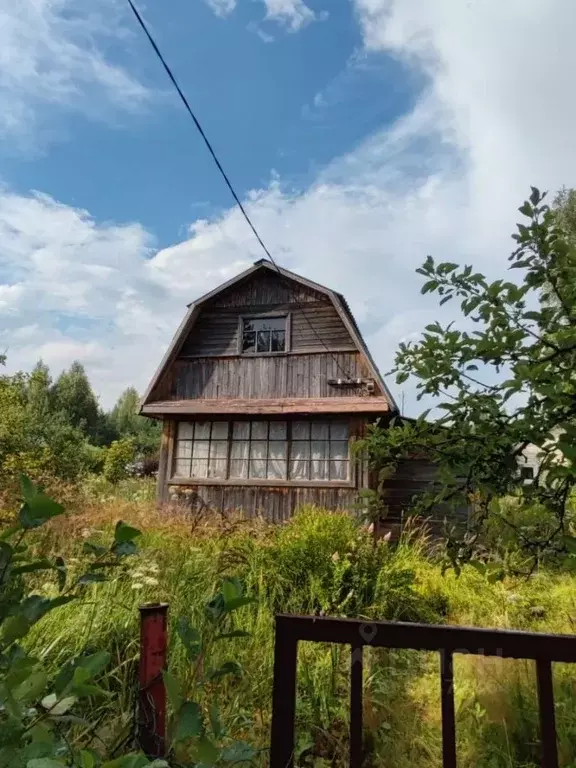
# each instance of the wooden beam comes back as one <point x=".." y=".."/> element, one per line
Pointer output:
<point x="249" y="407"/>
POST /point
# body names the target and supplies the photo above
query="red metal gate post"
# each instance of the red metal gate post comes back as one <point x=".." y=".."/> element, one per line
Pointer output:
<point x="151" y="734"/>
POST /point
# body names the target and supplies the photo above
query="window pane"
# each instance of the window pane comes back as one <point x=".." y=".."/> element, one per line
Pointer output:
<point x="217" y="468"/>
<point x="239" y="468"/>
<point x="263" y="341"/>
<point x="277" y="430"/>
<point x="259" y="430"/>
<point x="258" y="449"/>
<point x="299" y="470"/>
<point x="258" y="468"/>
<point x="182" y="468"/>
<point x="318" y="470"/>
<point x="183" y="449"/>
<point x="278" y="341"/>
<point x="220" y="430"/>
<point x="301" y="430"/>
<point x="338" y="449"/>
<point x="249" y="342"/>
<point x="339" y="430"/>
<point x="277" y="470"/>
<point x="241" y="430"/>
<point x="239" y="450"/>
<point x="185" y="430"/>
<point x="320" y="449"/>
<point x="199" y="468"/>
<point x="277" y="450"/>
<point x="202" y="430"/>
<point x="200" y="449"/>
<point x="300" y="450"/>
<point x="218" y="449"/>
<point x="320" y="430"/>
<point x="338" y="470"/>
<point x="271" y="323"/>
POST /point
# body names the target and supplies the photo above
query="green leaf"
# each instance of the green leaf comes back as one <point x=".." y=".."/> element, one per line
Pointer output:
<point x="570" y="544"/>
<point x="44" y="762"/>
<point x="95" y="663"/>
<point x="526" y="209"/>
<point x="228" y="668"/>
<point x="37" y="565"/>
<point x="86" y="759"/>
<point x="231" y="588"/>
<point x="238" y="602"/>
<point x="124" y="532"/>
<point x="37" y="508"/>
<point x="567" y="449"/>
<point x="14" y="628"/>
<point x="188" y="722"/>
<point x="535" y="196"/>
<point x="173" y="690"/>
<point x="235" y="633"/>
<point x="190" y="638"/>
<point x="29" y="690"/>
<point x="125" y="548"/>
<point x="238" y="752"/>
<point x="207" y="752"/>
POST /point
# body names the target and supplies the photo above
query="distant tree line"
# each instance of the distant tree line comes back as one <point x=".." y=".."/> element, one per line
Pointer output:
<point x="56" y="429"/>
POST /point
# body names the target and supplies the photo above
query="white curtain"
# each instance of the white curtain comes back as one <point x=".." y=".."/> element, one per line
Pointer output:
<point x="239" y="459"/>
<point x="258" y="450"/>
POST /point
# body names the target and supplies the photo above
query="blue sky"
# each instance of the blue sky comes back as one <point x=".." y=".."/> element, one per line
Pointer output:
<point x="362" y="135"/>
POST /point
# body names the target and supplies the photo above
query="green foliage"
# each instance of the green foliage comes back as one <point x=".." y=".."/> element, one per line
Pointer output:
<point x="73" y="396"/>
<point x="118" y="457"/>
<point x="125" y="421"/>
<point x="503" y="386"/>
<point x="36" y="707"/>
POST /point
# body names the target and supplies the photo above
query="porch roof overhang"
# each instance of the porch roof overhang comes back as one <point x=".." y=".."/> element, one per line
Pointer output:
<point x="254" y="407"/>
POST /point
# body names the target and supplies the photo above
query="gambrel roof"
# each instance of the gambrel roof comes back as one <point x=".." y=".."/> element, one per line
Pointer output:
<point x="382" y="403"/>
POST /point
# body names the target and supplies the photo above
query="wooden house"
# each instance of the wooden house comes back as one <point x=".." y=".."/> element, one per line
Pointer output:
<point x="262" y="392"/>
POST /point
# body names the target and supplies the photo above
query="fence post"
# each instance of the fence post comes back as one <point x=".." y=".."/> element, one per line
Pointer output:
<point x="151" y="724"/>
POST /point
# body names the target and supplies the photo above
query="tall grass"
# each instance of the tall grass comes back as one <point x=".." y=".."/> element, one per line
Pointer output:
<point x="319" y="563"/>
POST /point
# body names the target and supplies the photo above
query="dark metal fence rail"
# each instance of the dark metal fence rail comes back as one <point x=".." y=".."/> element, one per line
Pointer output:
<point x="543" y="649"/>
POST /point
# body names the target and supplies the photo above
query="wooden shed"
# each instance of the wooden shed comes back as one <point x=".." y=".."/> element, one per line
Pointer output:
<point x="262" y="392"/>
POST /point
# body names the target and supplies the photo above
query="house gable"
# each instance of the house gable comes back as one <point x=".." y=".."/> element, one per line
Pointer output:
<point x="325" y="354"/>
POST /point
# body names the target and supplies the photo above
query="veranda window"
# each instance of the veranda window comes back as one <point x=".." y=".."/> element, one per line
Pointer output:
<point x="299" y="451"/>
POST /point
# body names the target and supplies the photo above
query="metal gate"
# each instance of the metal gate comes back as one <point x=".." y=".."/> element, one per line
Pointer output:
<point x="543" y="649"/>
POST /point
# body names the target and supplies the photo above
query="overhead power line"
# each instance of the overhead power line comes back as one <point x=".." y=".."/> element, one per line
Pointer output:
<point x="224" y="175"/>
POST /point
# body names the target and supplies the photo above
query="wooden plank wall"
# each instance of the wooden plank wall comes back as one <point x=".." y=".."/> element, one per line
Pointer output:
<point x="217" y="331"/>
<point x="412" y="478"/>
<point x="265" y="377"/>
<point x="274" y="504"/>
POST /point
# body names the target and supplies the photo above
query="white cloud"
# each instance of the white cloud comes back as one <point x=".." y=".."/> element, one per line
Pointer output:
<point x="446" y="179"/>
<point x="51" y="54"/>
<point x="294" y="14"/>
<point x="222" y="7"/>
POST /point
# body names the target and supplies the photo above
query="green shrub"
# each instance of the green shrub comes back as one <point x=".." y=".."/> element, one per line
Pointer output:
<point x="118" y="457"/>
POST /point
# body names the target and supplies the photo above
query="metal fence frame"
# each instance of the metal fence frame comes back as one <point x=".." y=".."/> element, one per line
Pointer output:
<point x="447" y="640"/>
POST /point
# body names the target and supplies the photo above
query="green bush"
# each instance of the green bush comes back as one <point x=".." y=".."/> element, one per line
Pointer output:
<point x="118" y="457"/>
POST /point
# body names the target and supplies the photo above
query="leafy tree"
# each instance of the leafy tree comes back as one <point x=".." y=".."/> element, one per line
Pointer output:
<point x="33" y="440"/>
<point x="73" y="396"/>
<point x="38" y="390"/>
<point x="125" y="420"/>
<point x="505" y="378"/>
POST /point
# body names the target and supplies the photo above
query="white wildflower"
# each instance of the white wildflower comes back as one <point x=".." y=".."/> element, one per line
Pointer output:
<point x="150" y="581"/>
<point x="137" y="585"/>
<point x="335" y="557"/>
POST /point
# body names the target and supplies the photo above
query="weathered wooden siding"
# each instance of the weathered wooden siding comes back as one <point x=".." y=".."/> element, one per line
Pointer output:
<point x="264" y="377"/>
<point x="217" y="331"/>
<point x="413" y="477"/>
<point x="274" y="504"/>
<point x="264" y="289"/>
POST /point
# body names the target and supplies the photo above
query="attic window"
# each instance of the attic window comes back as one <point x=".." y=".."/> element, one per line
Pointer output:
<point x="263" y="335"/>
